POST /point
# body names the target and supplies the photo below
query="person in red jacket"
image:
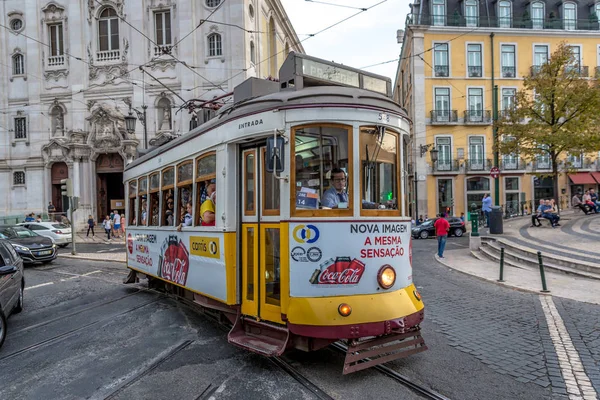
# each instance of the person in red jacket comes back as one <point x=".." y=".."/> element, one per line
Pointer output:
<point x="442" y="226"/>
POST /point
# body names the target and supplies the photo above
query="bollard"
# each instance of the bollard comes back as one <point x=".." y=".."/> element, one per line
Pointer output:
<point x="544" y="288"/>
<point x="501" y="265"/>
<point x="474" y="220"/>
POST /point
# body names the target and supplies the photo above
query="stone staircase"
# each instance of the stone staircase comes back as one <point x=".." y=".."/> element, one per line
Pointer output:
<point x="523" y="257"/>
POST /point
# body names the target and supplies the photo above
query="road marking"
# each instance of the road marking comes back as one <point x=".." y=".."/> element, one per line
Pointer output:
<point x="40" y="285"/>
<point x="577" y="382"/>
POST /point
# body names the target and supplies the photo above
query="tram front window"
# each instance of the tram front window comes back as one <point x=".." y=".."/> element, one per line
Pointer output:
<point x="323" y="166"/>
<point x="379" y="162"/>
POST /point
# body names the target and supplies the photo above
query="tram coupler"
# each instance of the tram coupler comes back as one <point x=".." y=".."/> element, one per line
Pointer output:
<point x="131" y="278"/>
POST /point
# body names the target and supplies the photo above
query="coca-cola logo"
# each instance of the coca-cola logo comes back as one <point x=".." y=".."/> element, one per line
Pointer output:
<point x="175" y="262"/>
<point x="342" y="271"/>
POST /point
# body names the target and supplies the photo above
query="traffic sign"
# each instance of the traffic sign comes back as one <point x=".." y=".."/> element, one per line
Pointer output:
<point x="495" y="172"/>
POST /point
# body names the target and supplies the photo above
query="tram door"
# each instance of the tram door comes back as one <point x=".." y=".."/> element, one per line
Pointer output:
<point x="261" y="238"/>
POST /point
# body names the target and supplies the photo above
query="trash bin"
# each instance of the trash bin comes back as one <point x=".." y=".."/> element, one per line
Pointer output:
<point x="496" y="220"/>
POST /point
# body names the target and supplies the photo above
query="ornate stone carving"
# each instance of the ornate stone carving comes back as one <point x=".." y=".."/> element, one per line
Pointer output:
<point x="90" y="104"/>
<point x="56" y="75"/>
<point x="107" y="132"/>
<point x="56" y="150"/>
<point x="112" y="72"/>
<point x="116" y="4"/>
<point x="163" y="64"/>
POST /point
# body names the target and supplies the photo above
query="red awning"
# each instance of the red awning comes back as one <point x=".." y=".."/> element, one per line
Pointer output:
<point x="596" y="176"/>
<point x="582" y="178"/>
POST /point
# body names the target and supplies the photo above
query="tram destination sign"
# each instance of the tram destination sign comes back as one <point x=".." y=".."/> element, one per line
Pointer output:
<point x="330" y="73"/>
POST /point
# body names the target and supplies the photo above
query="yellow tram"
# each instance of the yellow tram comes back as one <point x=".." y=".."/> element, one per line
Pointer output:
<point x="286" y="214"/>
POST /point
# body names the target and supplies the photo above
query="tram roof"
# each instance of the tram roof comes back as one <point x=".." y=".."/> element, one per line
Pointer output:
<point x="283" y="96"/>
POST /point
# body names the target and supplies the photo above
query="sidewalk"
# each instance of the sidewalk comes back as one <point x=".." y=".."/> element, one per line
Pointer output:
<point x="80" y="237"/>
<point x="526" y="279"/>
<point x="110" y="257"/>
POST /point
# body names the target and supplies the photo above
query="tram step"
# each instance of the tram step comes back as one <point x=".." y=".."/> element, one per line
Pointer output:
<point x="259" y="337"/>
<point x="366" y="354"/>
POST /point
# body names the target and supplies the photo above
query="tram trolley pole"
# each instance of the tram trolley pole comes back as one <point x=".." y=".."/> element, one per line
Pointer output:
<point x="543" y="275"/>
<point x="501" y="265"/>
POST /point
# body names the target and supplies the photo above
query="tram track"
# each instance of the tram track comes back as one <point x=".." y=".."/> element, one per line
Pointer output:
<point x="395" y="375"/>
<point x="285" y="366"/>
<point x="64" y="335"/>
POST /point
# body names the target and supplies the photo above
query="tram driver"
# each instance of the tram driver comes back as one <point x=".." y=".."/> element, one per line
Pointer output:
<point x="336" y="196"/>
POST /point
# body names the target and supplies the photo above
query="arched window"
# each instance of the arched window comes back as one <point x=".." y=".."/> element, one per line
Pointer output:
<point x="252" y="53"/>
<point x="215" y="47"/>
<point x="504" y="14"/>
<point x="108" y="30"/>
<point x="537" y="15"/>
<point x="18" y="64"/>
<point x="438" y="12"/>
<point x="272" y="48"/>
<point x="570" y="16"/>
<point x="471" y="13"/>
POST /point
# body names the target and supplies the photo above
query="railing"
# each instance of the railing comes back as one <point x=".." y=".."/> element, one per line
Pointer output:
<point x="475" y="71"/>
<point x="56" y="61"/>
<point x="597" y="72"/>
<point x="513" y="164"/>
<point x="535" y="69"/>
<point x="110" y="55"/>
<point x="442" y="70"/>
<point x="478" y="165"/>
<point x="509" y="72"/>
<point x="583" y="71"/>
<point x="164" y="49"/>
<point x="446" y="166"/>
<point x="505" y="22"/>
<point x="478" y="117"/>
<point x="542" y="165"/>
<point x="444" y="116"/>
<point x="579" y="163"/>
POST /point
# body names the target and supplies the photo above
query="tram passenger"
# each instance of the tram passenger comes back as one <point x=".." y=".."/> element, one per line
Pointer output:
<point x="336" y="196"/>
<point x="169" y="211"/>
<point x="207" y="210"/>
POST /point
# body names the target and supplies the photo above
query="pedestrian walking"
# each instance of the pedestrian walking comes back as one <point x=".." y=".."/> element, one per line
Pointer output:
<point x="442" y="226"/>
<point x="107" y="226"/>
<point x="123" y="223"/>
<point x="91" y="224"/>
<point x="486" y="207"/>
<point x="117" y="224"/>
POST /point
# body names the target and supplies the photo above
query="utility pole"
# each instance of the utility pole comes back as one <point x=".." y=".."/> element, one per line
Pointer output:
<point x="496" y="153"/>
<point x="67" y="190"/>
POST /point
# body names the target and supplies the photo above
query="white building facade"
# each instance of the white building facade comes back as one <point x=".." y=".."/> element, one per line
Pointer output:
<point x="70" y="70"/>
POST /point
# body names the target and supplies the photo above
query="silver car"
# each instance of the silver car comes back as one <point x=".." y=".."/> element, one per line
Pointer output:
<point x="12" y="284"/>
<point x="59" y="233"/>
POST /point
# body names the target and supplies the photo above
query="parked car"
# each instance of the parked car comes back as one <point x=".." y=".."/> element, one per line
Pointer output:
<point x="59" y="233"/>
<point x="12" y="285"/>
<point x="28" y="244"/>
<point x="426" y="229"/>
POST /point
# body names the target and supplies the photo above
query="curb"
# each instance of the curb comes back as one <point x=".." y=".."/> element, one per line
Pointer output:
<point x="503" y="284"/>
<point x="76" y="257"/>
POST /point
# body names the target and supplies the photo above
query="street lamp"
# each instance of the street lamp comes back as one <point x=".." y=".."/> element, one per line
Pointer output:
<point x="130" y="121"/>
<point x="434" y="154"/>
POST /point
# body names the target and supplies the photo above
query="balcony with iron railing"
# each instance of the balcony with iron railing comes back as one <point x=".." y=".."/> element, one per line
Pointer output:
<point x="108" y="56"/>
<point x="475" y="71"/>
<point x="444" y="117"/>
<point x="535" y="69"/>
<point x="578" y="163"/>
<point x="446" y="166"/>
<point x="580" y="70"/>
<point x="509" y="72"/>
<point x="512" y="164"/>
<point x="478" y="165"/>
<point x="442" y="70"/>
<point x="524" y="22"/>
<point x="541" y="164"/>
<point x="481" y="117"/>
<point x="56" y="61"/>
<point x="597" y="72"/>
<point x="162" y="49"/>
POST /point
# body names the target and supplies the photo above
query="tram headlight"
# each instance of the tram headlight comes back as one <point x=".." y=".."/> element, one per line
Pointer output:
<point x="386" y="277"/>
<point x="344" y="310"/>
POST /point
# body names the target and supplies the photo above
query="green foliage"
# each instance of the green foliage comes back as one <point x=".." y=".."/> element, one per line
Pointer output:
<point x="555" y="114"/>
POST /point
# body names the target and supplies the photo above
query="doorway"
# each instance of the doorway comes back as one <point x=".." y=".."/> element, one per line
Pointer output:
<point x="58" y="172"/>
<point x="261" y="238"/>
<point x="109" y="185"/>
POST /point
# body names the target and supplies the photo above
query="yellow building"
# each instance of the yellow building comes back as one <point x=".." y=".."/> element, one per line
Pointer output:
<point x="453" y="54"/>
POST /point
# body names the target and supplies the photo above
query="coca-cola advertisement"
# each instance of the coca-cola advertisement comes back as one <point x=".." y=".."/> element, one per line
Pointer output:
<point x="342" y="271"/>
<point x="174" y="261"/>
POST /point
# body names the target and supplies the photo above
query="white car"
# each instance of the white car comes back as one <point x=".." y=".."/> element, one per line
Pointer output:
<point x="59" y="233"/>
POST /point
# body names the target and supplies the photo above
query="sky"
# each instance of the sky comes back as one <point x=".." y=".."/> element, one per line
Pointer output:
<point x="366" y="39"/>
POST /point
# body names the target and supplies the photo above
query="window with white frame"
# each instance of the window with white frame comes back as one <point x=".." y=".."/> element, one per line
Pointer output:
<point x="508" y="98"/>
<point x="537" y="15"/>
<point x="442" y="104"/>
<point x="543" y="159"/>
<point x="438" y="12"/>
<point x="596" y="10"/>
<point x="504" y="14"/>
<point x="575" y="160"/>
<point x="55" y="33"/>
<point x="471" y="13"/>
<point x="507" y="60"/>
<point x="443" y="144"/>
<point x="20" y="128"/>
<point x="18" y="178"/>
<point x="540" y="56"/>
<point x="510" y="161"/>
<point x="162" y="27"/>
<point x="475" y="105"/>
<point x="569" y="16"/>
<point x="474" y="60"/>
<point x="214" y="45"/>
<point x="108" y="30"/>
<point x="18" y="64"/>
<point x="476" y="153"/>
<point x="440" y="60"/>
<point x="575" y="63"/>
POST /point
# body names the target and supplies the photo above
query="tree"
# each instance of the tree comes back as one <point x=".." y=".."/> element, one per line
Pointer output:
<point x="554" y="114"/>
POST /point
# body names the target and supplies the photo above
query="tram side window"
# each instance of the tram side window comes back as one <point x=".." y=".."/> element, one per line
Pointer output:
<point x="153" y="202"/>
<point x="206" y="186"/>
<point x="323" y="167"/>
<point x="185" y="174"/>
<point x="132" y="202"/>
<point x="168" y="197"/>
<point x="143" y="201"/>
<point x="379" y="168"/>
